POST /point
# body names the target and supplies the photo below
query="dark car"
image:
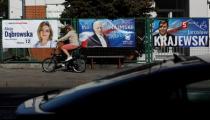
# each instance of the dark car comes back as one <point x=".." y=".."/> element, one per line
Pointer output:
<point x="171" y="87"/>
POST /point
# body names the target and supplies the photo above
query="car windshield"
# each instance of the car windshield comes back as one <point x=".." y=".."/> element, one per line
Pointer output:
<point x="141" y="70"/>
<point x="137" y="73"/>
<point x="99" y="82"/>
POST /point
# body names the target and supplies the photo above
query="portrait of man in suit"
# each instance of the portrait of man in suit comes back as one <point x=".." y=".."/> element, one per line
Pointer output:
<point x="98" y="39"/>
<point x="163" y="38"/>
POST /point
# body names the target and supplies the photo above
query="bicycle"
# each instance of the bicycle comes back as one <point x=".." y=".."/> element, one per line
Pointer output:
<point x="76" y="64"/>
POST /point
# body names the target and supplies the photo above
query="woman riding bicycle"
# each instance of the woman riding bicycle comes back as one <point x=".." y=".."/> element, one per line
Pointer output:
<point x="73" y="41"/>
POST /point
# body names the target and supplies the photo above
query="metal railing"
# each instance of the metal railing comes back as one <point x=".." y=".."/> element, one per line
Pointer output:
<point x="144" y="45"/>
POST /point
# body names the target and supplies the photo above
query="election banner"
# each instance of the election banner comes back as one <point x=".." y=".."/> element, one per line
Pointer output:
<point x="181" y="32"/>
<point x="29" y="33"/>
<point x="107" y="32"/>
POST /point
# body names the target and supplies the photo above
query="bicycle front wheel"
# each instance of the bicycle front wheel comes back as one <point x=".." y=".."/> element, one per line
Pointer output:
<point x="79" y="65"/>
<point x="48" y="65"/>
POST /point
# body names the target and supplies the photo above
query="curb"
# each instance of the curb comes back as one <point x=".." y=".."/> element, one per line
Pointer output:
<point x="21" y="65"/>
<point x="39" y="66"/>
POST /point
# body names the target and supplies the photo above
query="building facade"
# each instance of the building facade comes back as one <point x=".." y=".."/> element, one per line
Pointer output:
<point x="19" y="9"/>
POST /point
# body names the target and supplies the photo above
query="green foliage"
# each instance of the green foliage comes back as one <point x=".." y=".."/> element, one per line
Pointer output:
<point x="4" y="8"/>
<point x="106" y="8"/>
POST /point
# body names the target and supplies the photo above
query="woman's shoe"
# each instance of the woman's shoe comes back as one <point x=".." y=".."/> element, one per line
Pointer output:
<point x="69" y="58"/>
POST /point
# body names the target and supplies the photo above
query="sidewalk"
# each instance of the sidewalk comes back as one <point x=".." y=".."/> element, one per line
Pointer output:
<point x="21" y="65"/>
<point x="38" y="65"/>
<point x="30" y="75"/>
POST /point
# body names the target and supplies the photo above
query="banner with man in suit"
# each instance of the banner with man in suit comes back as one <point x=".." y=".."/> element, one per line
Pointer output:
<point x="181" y="32"/>
<point x="107" y="32"/>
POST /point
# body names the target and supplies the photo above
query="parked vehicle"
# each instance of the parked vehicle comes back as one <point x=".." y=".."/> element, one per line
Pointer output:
<point x="160" y="89"/>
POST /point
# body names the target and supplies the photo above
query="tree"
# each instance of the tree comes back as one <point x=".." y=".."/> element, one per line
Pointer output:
<point x="4" y="8"/>
<point x="106" y="8"/>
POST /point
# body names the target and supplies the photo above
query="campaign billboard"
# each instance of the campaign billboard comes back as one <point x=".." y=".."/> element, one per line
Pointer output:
<point x="107" y="32"/>
<point x="29" y="33"/>
<point x="181" y="32"/>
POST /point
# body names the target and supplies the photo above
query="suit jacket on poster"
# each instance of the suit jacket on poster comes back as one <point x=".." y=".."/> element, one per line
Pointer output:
<point x="94" y="41"/>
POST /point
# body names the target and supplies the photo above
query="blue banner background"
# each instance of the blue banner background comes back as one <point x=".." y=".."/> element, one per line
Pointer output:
<point x="119" y="32"/>
<point x="195" y="27"/>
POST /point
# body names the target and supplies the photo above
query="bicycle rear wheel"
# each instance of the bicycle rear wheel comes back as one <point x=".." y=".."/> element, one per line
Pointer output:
<point x="79" y="65"/>
<point x="48" y="65"/>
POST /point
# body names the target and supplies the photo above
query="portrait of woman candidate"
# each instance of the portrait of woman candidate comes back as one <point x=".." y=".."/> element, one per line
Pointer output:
<point x="45" y="35"/>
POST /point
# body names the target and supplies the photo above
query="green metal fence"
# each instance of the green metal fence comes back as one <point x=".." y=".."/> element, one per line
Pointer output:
<point x="17" y="55"/>
<point x="143" y="44"/>
<point x="1" y="49"/>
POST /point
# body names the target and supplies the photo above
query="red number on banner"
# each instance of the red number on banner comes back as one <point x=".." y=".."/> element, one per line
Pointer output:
<point x="184" y="24"/>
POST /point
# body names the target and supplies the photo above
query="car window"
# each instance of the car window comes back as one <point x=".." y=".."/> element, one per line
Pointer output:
<point x="199" y="96"/>
<point x="199" y="90"/>
<point x="103" y="82"/>
<point x="72" y="93"/>
<point x="140" y="69"/>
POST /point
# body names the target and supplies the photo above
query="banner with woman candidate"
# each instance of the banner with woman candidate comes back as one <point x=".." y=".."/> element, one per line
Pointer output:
<point x="107" y="33"/>
<point x="181" y="32"/>
<point x="29" y="33"/>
